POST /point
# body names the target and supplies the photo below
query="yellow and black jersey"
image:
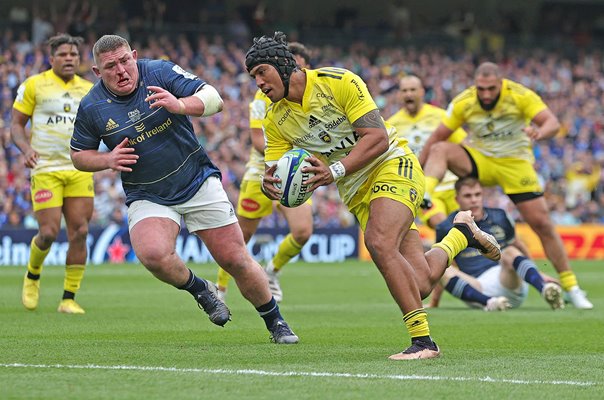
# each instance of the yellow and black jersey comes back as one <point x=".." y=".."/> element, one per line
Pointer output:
<point x="497" y="132"/>
<point x="52" y="105"/>
<point x="254" y="168"/>
<point x="418" y="128"/>
<point x="333" y="99"/>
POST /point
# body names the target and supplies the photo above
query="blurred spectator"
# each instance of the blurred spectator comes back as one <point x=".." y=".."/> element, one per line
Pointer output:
<point x="582" y="178"/>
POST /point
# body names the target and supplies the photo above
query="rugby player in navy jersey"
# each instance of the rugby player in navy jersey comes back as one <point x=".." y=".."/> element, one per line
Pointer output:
<point x="140" y="109"/>
<point x="484" y="282"/>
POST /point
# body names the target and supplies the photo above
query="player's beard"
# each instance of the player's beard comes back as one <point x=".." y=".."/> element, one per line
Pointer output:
<point x="489" y="107"/>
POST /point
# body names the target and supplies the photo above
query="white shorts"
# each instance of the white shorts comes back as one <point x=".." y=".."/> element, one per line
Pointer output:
<point x="491" y="286"/>
<point x="209" y="208"/>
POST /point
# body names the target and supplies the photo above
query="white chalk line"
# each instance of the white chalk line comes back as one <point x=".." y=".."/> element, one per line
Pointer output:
<point x="345" y="375"/>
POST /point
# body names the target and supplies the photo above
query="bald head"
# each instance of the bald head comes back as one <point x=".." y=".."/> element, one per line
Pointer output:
<point x="488" y="82"/>
<point x="487" y="69"/>
<point x="412" y="92"/>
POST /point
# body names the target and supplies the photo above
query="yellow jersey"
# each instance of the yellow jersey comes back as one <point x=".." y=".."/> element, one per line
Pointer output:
<point x="417" y="129"/>
<point x="254" y="169"/>
<point x="497" y="132"/>
<point x="333" y="99"/>
<point x="52" y="105"/>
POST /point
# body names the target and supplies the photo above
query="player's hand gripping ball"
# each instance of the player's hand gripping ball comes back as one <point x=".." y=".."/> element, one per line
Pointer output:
<point x="289" y="170"/>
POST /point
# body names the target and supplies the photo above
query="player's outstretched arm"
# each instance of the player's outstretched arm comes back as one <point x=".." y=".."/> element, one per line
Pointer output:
<point x="205" y="102"/>
<point x="121" y="158"/>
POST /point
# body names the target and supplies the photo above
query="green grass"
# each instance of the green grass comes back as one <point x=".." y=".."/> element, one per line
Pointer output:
<point x="142" y="339"/>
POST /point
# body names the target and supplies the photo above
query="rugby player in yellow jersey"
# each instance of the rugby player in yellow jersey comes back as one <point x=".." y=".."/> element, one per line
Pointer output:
<point x="253" y="205"/>
<point x="503" y="118"/>
<point x="377" y="175"/>
<point x="50" y="101"/>
<point x="416" y="121"/>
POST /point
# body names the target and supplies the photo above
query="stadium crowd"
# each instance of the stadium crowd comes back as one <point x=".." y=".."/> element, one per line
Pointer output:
<point x="572" y="85"/>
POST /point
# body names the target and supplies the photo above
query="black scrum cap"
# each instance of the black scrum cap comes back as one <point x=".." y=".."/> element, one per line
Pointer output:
<point x="273" y="51"/>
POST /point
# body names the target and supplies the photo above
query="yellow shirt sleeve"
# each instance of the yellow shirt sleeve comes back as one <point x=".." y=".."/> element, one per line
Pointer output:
<point x="458" y="136"/>
<point x="25" y="102"/>
<point x="353" y="95"/>
<point x="530" y="103"/>
<point x="453" y="118"/>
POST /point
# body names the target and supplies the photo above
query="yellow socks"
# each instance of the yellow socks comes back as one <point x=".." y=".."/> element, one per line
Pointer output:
<point x="223" y="278"/>
<point x="453" y="243"/>
<point x="417" y="323"/>
<point x="287" y="250"/>
<point x="73" y="278"/>
<point x="36" y="258"/>
<point x="431" y="183"/>
<point x="568" y="280"/>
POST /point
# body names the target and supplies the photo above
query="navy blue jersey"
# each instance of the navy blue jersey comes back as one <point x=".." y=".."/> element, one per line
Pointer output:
<point x="497" y="223"/>
<point x="172" y="165"/>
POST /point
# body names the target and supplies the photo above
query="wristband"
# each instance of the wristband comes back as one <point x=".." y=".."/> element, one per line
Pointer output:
<point x="181" y="106"/>
<point x="337" y="170"/>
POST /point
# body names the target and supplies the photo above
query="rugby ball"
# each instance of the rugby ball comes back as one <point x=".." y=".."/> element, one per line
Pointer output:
<point x="289" y="170"/>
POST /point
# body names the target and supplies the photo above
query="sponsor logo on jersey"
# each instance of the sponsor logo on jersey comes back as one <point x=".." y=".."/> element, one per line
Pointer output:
<point x="42" y="196"/>
<point x="385" y="187"/>
<point x="250" y="205"/>
<point x="59" y="119"/>
<point x="303" y="139"/>
<point x="528" y="181"/>
<point x="111" y="124"/>
<point x="140" y="127"/>
<point x="150" y="133"/>
<point x="313" y="121"/>
<point x="344" y="144"/>
<point x="67" y="107"/>
<point x="335" y="123"/>
<point x="178" y="69"/>
<point x="322" y="95"/>
<point x="356" y="84"/>
<point x="284" y="117"/>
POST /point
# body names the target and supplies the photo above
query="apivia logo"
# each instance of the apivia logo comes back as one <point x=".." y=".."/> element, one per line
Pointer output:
<point x="345" y="145"/>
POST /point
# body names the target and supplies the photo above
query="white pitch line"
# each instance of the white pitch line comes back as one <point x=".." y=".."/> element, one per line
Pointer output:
<point x="486" y="379"/>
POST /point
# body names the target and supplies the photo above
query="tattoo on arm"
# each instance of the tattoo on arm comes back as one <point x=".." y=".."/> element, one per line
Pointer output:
<point x="370" y="120"/>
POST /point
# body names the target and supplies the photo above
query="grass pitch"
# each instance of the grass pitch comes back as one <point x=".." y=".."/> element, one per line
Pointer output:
<point x="141" y="338"/>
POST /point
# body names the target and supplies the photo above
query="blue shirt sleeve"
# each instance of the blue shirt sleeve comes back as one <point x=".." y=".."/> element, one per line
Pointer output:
<point x="178" y="81"/>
